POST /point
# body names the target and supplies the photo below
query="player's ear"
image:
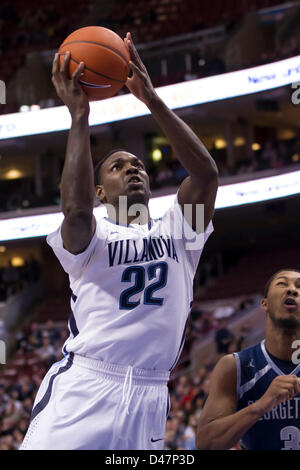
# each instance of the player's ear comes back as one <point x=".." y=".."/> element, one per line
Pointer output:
<point x="264" y="304"/>
<point x="100" y="193"/>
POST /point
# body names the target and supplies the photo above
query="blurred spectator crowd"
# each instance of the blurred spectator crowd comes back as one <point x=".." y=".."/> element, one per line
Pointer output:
<point x="271" y="155"/>
<point x="209" y="321"/>
<point x="14" y="278"/>
<point x="38" y="347"/>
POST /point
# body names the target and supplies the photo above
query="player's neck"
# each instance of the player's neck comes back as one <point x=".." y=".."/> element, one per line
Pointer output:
<point x="279" y="342"/>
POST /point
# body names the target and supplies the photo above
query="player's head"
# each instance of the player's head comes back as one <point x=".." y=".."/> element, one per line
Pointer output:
<point x="282" y="298"/>
<point x="121" y="173"/>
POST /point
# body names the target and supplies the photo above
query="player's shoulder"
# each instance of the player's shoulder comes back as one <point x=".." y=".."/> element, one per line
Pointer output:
<point x="225" y="367"/>
<point x="224" y="376"/>
<point x="226" y="363"/>
<point x="251" y="351"/>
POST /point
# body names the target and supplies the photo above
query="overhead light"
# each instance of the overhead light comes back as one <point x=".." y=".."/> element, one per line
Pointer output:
<point x="286" y="134"/>
<point x="156" y="155"/>
<point x="17" y="261"/>
<point x="2" y="249"/>
<point x="220" y="144"/>
<point x="13" y="174"/>
<point x="160" y="140"/>
<point x="255" y="146"/>
<point x="239" y="142"/>
<point x="24" y="108"/>
<point x="295" y="157"/>
<point x="35" y="107"/>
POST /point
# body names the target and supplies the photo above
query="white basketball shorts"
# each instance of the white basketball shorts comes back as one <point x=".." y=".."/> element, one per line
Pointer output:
<point x="85" y="404"/>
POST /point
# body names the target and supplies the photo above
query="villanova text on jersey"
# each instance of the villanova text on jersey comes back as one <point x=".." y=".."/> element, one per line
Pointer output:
<point x="279" y="429"/>
<point x="126" y="251"/>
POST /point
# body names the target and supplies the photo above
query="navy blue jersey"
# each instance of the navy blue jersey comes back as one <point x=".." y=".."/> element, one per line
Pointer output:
<point x="280" y="428"/>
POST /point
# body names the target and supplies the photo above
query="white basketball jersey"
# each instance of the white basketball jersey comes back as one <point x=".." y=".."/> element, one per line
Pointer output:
<point x="132" y="290"/>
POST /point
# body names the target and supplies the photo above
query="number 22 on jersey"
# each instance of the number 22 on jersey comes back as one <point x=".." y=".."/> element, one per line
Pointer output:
<point x="158" y="272"/>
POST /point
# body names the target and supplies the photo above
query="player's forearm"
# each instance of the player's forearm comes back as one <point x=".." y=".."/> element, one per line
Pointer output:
<point x="188" y="148"/>
<point x="223" y="433"/>
<point x="77" y="183"/>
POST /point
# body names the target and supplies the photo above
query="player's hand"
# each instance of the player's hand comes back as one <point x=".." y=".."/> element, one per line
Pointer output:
<point x="281" y="389"/>
<point x="140" y="83"/>
<point x="70" y="91"/>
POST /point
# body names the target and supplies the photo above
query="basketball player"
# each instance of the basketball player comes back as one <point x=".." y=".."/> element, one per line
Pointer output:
<point x="132" y="283"/>
<point x="255" y="394"/>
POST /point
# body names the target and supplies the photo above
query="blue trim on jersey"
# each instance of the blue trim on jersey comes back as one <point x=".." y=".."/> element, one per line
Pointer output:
<point x="46" y="398"/>
<point x="181" y="345"/>
<point x="73" y="326"/>
<point x="168" y="404"/>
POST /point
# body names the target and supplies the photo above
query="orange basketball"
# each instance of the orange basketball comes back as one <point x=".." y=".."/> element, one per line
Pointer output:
<point x="105" y="56"/>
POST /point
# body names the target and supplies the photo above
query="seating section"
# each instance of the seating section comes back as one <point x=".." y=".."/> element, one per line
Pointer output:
<point x="26" y="28"/>
<point x="156" y="19"/>
<point x="250" y="273"/>
<point x="57" y="309"/>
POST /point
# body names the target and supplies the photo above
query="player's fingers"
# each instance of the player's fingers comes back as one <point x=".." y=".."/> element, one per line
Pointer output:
<point x="55" y="64"/>
<point x="126" y="43"/>
<point x="65" y="64"/>
<point x="296" y="385"/>
<point x="284" y="394"/>
<point x="290" y="389"/>
<point x="77" y="73"/>
<point x="133" y="51"/>
<point x="292" y="382"/>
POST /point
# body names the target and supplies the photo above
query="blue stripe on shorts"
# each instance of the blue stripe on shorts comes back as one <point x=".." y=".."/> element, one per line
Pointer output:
<point x="45" y="400"/>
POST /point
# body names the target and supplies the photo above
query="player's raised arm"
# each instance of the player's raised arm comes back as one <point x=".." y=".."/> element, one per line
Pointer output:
<point x="220" y="426"/>
<point x="77" y="186"/>
<point x="201" y="186"/>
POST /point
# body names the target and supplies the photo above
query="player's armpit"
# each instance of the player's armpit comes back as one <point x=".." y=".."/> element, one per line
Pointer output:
<point x="77" y="231"/>
<point x="195" y="191"/>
